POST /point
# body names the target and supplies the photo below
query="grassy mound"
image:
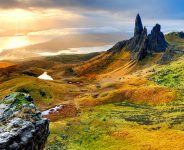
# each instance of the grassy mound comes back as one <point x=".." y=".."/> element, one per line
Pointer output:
<point x="175" y="39"/>
<point x="44" y="93"/>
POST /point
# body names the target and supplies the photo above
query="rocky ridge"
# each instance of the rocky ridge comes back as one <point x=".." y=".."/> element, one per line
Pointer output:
<point x="21" y="124"/>
<point x="177" y="34"/>
<point x="142" y="44"/>
<point x="172" y="53"/>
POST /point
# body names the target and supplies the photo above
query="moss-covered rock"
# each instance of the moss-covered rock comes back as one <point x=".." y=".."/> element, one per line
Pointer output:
<point x="22" y="126"/>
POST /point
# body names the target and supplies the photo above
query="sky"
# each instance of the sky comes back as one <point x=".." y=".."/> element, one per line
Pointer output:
<point x="25" y="22"/>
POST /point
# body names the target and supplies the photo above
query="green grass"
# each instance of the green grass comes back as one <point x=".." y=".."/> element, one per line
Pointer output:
<point x="171" y="75"/>
<point x="45" y="93"/>
<point x="38" y="89"/>
<point x="159" y="127"/>
<point x="97" y="128"/>
<point x="15" y="98"/>
<point x="94" y="127"/>
<point x="174" y="39"/>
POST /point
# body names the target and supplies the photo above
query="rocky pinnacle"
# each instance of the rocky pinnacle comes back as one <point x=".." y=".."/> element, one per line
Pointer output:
<point x="138" y="26"/>
<point x="156" y="40"/>
<point x="142" y="44"/>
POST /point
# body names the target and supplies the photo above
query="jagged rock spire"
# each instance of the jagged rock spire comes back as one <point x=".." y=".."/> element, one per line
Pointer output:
<point x="156" y="40"/>
<point x="142" y="44"/>
<point x="145" y="31"/>
<point x="156" y="29"/>
<point x="143" y="51"/>
<point x="138" y="25"/>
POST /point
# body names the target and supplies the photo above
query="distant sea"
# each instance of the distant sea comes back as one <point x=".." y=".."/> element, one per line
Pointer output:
<point x="81" y="50"/>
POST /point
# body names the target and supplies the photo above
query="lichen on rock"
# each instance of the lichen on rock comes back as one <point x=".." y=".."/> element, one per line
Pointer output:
<point x="21" y="124"/>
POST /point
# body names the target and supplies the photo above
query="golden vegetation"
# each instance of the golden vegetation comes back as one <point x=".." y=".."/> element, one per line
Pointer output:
<point x="113" y="103"/>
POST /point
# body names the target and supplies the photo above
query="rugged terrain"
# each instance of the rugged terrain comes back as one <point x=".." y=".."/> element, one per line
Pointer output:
<point x="22" y="126"/>
<point x="129" y="97"/>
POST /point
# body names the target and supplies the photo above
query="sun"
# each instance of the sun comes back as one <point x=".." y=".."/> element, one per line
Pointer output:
<point x="16" y="42"/>
<point x="16" y="15"/>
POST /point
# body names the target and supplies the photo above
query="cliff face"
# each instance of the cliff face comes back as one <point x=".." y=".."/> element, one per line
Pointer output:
<point x="140" y="46"/>
<point x="156" y="40"/>
<point x="138" y="26"/>
<point x="22" y="126"/>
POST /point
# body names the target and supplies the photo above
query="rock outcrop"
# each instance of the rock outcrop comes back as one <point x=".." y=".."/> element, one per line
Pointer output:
<point x="156" y="40"/>
<point x="176" y="35"/>
<point x="172" y="52"/>
<point x="181" y="34"/>
<point x="21" y="124"/>
<point x="138" y="26"/>
<point x="141" y="44"/>
<point x="142" y="51"/>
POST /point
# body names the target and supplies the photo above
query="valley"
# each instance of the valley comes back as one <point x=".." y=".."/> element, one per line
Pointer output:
<point x="122" y="99"/>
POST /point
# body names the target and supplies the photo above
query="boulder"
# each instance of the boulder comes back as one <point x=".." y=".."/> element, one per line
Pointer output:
<point x="22" y="126"/>
<point x="181" y="34"/>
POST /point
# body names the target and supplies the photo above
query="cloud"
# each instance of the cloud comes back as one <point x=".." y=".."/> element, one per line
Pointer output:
<point x="84" y="22"/>
<point x="59" y="16"/>
<point x="70" y="31"/>
<point x="148" y="8"/>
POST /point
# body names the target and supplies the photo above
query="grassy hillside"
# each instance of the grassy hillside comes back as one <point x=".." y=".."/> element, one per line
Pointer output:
<point x="22" y="77"/>
<point x="122" y="125"/>
<point x="44" y="93"/>
<point x="171" y="75"/>
<point x="115" y="103"/>
<point x="121" y="116"/>
<point x="175" y="39"/>
<point x="132" y="106"/>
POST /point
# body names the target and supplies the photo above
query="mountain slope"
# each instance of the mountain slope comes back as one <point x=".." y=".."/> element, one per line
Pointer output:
<point x="140" y="109"/>
<point x="138" y="48"/>
<point x="111" y="100"/>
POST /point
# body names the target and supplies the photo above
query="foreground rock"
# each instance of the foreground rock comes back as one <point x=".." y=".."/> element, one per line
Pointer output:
<point x="22" y="126"/>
